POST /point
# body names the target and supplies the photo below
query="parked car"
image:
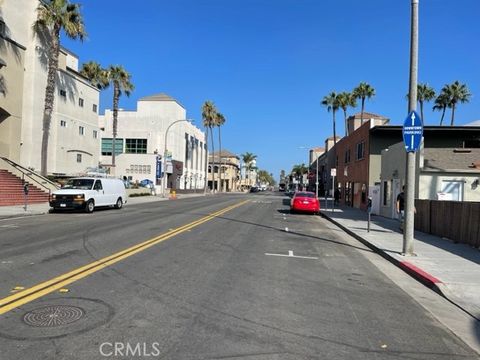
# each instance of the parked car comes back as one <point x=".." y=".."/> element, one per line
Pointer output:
<point x="88" y="193"/>
<point x="305" y="201"/>
<point x="254" y="189"/>
<point x="146" y="183"/>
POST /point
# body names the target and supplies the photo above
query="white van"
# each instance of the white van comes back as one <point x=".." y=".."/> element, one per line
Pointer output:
<point x="88" y="192"/>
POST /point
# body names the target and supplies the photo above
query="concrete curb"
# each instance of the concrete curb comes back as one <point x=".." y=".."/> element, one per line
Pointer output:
<point x="412" y="270"/>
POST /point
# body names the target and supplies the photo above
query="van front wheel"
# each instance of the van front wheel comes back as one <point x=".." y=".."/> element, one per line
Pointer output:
<point x="119" y="203"/>
<point x="89" y="206"/>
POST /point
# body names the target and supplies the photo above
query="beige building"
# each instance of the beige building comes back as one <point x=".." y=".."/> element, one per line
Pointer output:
<point x="141" y="144"/>
<point x="226" y="166"/>
<point x="74" y="132"/>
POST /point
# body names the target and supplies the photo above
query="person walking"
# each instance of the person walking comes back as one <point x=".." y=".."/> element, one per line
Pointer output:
<point x="401" y="207"/>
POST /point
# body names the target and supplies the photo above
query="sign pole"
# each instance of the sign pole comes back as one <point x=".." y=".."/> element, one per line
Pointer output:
<point x="410" y="166"/>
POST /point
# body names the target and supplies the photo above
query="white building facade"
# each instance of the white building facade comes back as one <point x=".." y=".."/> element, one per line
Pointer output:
<point x="74" y="133"/>
<point x="140" y="144"/>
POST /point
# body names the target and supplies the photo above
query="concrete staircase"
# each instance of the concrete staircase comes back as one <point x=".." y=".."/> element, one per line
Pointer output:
<point x="11" y="191"/>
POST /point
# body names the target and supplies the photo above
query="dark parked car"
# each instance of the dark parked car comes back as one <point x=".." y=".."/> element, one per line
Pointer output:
<point x="254" y="189"/>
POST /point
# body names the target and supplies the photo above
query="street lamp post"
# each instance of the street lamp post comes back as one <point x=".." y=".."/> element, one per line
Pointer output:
<point x="164" y="184"/>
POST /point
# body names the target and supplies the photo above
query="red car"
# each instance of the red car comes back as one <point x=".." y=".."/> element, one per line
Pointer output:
<point x="305" y="201"/>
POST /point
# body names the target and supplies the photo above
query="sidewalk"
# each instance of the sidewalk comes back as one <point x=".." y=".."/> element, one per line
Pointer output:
<point x="451" y="269"/>
<point x="7" y="212"/>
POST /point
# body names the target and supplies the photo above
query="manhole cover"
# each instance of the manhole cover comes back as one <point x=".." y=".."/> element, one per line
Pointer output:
<point x="51" y="316"/>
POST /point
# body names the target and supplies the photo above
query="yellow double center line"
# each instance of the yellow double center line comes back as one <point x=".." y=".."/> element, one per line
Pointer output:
<point x="44" y="288"/>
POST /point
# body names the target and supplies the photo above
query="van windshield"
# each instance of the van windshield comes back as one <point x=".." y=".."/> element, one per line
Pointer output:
<point x="81" y="184"/>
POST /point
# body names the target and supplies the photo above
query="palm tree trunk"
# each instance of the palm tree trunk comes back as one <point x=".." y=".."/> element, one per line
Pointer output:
<point x="443" y="115"/>
<point x="421" y="111"/>
<point x="116" y="96"/>
<point x="361" y="114"/>
<point x="453" y="115"/>
<point x="213" y="160"/>
<point x="334" y="130"/>
<point x="205" y="185"/>
<point x="220" y="157"/>
<point x="49" y="98"/>
<point x="346" y="125"/>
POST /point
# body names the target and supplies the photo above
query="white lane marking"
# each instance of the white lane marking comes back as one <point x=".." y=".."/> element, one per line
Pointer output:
<point x="290" y="254"/>
<point x="10" y="226"/>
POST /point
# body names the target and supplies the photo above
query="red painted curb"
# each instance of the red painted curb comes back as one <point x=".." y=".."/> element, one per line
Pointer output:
<point x="409" y="267"/>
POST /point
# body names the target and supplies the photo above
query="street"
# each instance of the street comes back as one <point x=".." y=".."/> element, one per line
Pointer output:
<point x="216" y="277"/>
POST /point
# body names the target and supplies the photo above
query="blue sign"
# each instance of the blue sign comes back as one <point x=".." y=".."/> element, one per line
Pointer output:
<point x="159" y="168"/>
<point x="412" y="132"/>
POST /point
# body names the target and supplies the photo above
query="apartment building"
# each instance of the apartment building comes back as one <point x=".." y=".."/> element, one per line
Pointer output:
<point x="74" y="132"/>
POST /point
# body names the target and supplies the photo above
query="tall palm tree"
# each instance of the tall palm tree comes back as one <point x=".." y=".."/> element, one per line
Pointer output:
<point x="53" y="16"/>
<point x="346" y="100"/>
<point x="332" y="104"/>
<point x="458" y="93"/>
<point x="441" y="103"/>
<point x="425" y="93"/>
<point x="97" y="75"/>
<point x="209" y="115"/>
<point x="121" y="81"/>
<point x="363" y="91"/>
<point x="248" y="159"/>
<point x="220" y="120"/>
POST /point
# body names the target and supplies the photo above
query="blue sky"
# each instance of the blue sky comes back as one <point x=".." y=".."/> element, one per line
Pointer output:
<point x="267" y="63"/>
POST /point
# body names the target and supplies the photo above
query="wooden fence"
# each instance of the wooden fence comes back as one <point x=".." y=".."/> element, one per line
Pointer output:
<point x="455" y="220"/>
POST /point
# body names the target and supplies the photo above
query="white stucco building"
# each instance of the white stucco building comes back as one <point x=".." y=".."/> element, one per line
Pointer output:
<point x="74" y="133"/>
<point x="140" y="143"/>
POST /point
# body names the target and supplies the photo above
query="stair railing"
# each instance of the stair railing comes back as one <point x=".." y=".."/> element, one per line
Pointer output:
<point x="25" y="173"/>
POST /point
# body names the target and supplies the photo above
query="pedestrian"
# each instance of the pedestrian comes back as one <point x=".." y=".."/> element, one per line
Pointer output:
<point x="336" y="195"/>
<point x="401" y="207"/>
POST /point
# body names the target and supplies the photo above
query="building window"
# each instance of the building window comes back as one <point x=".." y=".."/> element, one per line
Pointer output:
<point x="63" y="123"/>
<point x="94" y="108"/>
<point x="79" y="158"/>
<point x="95" y="134"/>
<point x="107" y="146"/>
<point x="63" y="93"/>
<point x="81" y="130"/>
<point x="80" y="102"/>
<point x="136" y="146"/>
<point x="360" y="150"/>
<point x="347" y="156"/>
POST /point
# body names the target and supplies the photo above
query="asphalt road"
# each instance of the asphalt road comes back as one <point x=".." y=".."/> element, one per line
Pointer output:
<point x="204" y="287"/>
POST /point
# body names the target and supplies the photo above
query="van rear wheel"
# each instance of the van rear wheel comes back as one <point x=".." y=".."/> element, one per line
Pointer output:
<point x="119" y="203"/>
<point x="90" y="206"/>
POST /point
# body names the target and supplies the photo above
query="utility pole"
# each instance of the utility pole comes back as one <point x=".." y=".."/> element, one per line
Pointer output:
<point x="411" y="156"/>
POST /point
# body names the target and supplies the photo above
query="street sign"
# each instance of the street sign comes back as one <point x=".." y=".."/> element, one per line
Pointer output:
<point x="412" y="132"/>
<point x="333" y="172"/>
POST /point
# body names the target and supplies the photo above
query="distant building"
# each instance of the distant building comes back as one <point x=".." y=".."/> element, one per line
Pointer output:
<point x="226" y="168"/>
<point x="74" y="132"/>
<point x="140" y="144"/>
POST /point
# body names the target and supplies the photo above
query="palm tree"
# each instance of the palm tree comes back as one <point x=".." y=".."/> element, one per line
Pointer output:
<point x="332" y="104"/>
<point x="97" y="75"/>
<point x="458" y="93"/>
<point x="209" y="115"/>
<point x="220" y="120"/>
<point x="248" y="159"/>
<point x="121" y="81"/>
<point x="441" y="103"/>
<point x="363" y="91"/>
<point x="299" y="170"/>
<point x="53" y="16"/>
<point x="346" y="100"/>
<point x="425" y="93"/>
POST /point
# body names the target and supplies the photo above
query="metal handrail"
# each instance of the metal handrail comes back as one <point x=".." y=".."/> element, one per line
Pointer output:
<point x="28" y="173"/>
